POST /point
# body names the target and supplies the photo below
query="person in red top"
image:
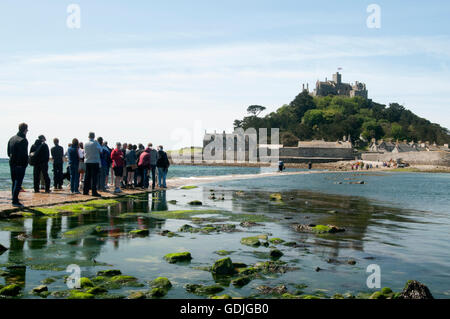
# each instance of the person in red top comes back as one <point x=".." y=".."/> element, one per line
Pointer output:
<point x="118" y="163"/>
<point x="144" y="165"/>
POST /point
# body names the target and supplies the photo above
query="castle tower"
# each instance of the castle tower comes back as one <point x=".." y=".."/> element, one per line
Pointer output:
<point x="337" y="78"/>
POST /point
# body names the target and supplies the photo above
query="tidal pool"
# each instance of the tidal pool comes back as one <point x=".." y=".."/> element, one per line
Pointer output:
<point x="405" y="243"/>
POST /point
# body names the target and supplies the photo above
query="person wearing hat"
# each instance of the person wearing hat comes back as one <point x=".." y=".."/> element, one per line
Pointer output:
<point x="40" y="153"/>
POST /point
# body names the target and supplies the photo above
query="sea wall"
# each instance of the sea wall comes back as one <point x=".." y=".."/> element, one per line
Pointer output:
<point x="422" y="158"/>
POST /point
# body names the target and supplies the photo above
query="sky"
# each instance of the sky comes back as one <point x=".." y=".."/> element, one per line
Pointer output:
<point x="166" y="71"/>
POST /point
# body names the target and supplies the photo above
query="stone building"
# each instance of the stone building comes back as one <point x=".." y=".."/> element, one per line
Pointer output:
<point x="337" y="87"/>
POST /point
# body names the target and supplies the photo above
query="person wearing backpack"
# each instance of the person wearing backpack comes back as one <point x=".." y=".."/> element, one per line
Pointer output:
<point x="163" y="166"/>
<point x="39" y="156"/>
<point x="18" y="161"/>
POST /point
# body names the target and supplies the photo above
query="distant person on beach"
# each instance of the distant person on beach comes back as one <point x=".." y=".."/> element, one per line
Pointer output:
<point x="82" y="165"/>
<point x="125" y="175"/>
<point x="103" y="171"/>
<point x="139" y="173"/>
<point x="281" y="166"/>
<point x="117" y="164"/>
<point x="92" y="160"/>
<point x="39" y="157"/>
<point x="110" y="169"/>
<point x="144" y="167"/>
<point x="131" y="164"/>
<point x="18" y="161"/>
<point x="58" y="162"/>
<point x="153" y="161"/>
<point x="309" y="165"/>
<point x="163" y="166"/>
<point x="74" y="161"/>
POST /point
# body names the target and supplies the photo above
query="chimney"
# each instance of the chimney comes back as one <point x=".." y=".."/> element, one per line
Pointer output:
<point x="307" y="87"/>
<point x="303" y="87"/>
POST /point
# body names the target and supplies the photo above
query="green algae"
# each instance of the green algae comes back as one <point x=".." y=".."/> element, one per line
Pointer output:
<point x="158" y="292"/>
<point x="241" y="281"/>
<point x="139" y="232"/>
<point x="80" y="231"/>
<point x="75" y="294"/>
<point x="221" y="297"/>
<point x="178" y="257"/>
<point x="182" y="214"/>
<point x="276" y="197"/>
<point x="108" y="273"/>
<point x="161" y="282"/>
<point x="224" y="252"/>
<point x="137" y="295"/>
<point x="203" y="290"/>
<point x="86" y="282"/>
<point x="223" y="266"/>
<point x="10" y="290"/>
<point x="188" y="187"/>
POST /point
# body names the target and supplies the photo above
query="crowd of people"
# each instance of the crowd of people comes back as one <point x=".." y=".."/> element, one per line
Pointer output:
<point x="92" y="166"/>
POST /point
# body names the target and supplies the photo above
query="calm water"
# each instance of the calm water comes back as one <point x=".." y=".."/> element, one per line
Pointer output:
<point x="174" y="171"/>
<point x="399" y="221"/>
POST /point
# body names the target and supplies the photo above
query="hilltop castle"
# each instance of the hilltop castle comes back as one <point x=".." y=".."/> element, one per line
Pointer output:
<point x="337" y="87"/>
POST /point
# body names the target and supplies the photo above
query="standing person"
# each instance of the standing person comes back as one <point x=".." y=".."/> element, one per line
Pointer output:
<point x="58" y="163"/>
<point x="130" y="160"/>
<point x="117" y="165"/>
<point x="74" y="161"/>
<point x="108" y="162"/>
<point x="82" y="165"/>
<point x="18" y="161"/>
<point x="92" y="152"/>
<point x="144" y="167"/>
<point x="125" y="175"/>
<point x="40" y="155"/>
<point x="153" y="161"/>
<point x="163" y="167"/>
<point x="104" y="155"/>
<point x="138" y="176"/>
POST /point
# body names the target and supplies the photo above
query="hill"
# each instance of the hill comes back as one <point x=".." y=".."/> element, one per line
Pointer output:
<point x="332" y="117"/>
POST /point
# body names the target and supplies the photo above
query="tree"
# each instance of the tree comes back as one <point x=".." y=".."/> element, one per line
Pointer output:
<point x="302" y="104"/>
<point x="255" y="110"/>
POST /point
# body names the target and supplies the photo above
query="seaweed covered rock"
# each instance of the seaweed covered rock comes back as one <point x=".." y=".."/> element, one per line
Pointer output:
<point x="178" y="257"/>
<point x="253" y="241"/>
<point x="161" y="282"/>
<point x="76" y="294"/>
<point x="10" y="290"/>
<point x="139" y="232"/>
<point x="241" y="281"/>
<point x="275" y="253"/>
<point x="276" y="241"/>
<point x="109" y="272"/>
<point x="223" y="266"/>
<point x="86" y="282"/>
<point x="158" y="292"/>
<point x="96" y="290"/>
<point x="415" y="290"/>
<point x="123" y="279"/>
<point x="203" y="290"/>
<point x="318" y="229"/>
<point x="137" y="295"/>
<point x="221" y="297"/>
<point x="39" y="289"/>
<point x="266" y="290"/>
<point x="248" y="224"/>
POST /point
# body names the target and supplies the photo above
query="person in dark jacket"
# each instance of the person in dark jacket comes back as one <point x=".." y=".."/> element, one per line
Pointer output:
<point x="74" y="162"/>
<point x="163" y="166"/>
<point x="41" y="157"/>
<point x="58" y="162"/>
<point x="18" y="161"/>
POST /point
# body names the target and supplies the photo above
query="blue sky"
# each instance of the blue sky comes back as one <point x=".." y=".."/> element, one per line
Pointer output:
<point x="165" y="71"/>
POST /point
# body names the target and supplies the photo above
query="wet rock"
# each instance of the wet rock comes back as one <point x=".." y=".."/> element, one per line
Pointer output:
<point x="251" y="241"/>
<point x="140" y="232"/>
<point x="276" y="241"/>
<point x="203" y="290"/>
<point x="241" y="281"/>
<point x="351" y="262"/>
<point x="161" y="282"/>
<point x="123" y="279"/>
<point x="248" y="224"/>
<point x="158" y="292"/>
<point x="271" y="267"/>
<point x="173" y="202"/>
<point x="415" y="290"/>
<point x="358" y="182"/>
<point x="290" y="244"/>
<point x="109" y="272"/>
<point x="137" y="295"/>
<point x="275" y="253"/>
<point x="39" y="289"/>
<point x="223" y="252"/>
<point x="318" y="229"/>
<point x="239" y="265"/>
<point x="10" y="290"/>
<point x="223" y="266"/>
<point x="318" y="269"/>
<point x="86" y="282"/>
<point x="266" y="290"/>
<point x="96" y="290"/>
<point x="195" y="203"/>
<point x="178" y="257"/>
<point x="186" y="229"/>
